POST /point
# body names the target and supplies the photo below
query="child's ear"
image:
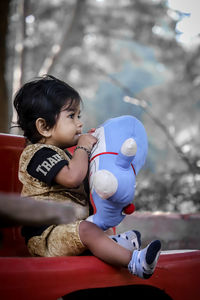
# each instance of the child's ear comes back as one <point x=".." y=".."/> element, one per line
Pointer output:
<point x="42" y="128"/>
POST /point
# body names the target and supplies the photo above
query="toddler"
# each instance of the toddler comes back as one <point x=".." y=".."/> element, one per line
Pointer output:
<point x="49" y="114"/>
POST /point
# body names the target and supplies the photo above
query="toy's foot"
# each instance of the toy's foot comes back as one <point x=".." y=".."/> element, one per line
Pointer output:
<point x="143" y="263"/>
<point x="130" y="240"/>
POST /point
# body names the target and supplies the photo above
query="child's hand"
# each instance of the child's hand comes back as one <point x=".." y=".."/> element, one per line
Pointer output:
<point x="87" y="141"/>
<point x="92" y="130"/>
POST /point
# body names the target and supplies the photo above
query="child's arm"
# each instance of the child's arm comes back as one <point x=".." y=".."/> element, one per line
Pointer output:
<point x="74" y="173"/>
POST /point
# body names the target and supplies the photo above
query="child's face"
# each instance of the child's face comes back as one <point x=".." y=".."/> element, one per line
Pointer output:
<point x="67" y="129"/>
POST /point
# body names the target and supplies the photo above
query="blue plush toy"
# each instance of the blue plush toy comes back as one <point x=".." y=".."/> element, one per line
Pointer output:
<point x="115" y="161"/>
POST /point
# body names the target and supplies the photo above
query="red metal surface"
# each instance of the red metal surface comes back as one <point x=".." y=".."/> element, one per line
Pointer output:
<point x="49" y="278"/>
<point x="10" y="149"/>
<point x="23" y="277"/>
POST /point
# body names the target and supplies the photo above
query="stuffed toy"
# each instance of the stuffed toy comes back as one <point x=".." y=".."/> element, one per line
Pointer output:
<point x="115" y="161"/>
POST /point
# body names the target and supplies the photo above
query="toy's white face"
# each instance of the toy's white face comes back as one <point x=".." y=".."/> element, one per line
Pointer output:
<point x="99" y="147"/>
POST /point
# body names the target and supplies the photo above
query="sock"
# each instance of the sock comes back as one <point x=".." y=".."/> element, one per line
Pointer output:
<point x="143" y="262"/>
<point x="130" y="240"/>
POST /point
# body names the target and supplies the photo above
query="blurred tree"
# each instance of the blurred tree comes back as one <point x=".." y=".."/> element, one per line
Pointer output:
<point x="4" y="9"/>
<point x="124" y="58"/>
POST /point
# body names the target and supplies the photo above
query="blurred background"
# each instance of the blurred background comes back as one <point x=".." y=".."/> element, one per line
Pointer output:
<point x="137" y="57"/>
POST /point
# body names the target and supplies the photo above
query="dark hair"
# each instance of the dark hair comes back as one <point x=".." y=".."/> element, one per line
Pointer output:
<point x="42" y="98"/>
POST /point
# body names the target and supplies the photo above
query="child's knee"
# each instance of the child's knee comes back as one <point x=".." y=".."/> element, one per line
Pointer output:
<point x="85" y="228"/>
<point x="87" y="231"/>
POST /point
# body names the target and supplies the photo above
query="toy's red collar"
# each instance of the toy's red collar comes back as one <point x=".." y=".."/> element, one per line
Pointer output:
<point x="114" y="153"/>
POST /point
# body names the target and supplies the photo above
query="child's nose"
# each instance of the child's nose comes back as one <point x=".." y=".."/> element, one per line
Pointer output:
<point x="80" y="124"/>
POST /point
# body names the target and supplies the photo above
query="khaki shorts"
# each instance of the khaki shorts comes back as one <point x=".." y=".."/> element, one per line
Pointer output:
<point x="57" y="240"/>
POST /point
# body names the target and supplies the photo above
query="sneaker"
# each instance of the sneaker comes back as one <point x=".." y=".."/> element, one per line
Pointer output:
<point x="130" y="240"/>
<point x="143" y="262"/>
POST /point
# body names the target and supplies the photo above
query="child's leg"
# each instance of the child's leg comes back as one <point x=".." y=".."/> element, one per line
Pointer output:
<point x="141" y="263"/>
<point x="102" y="246"/>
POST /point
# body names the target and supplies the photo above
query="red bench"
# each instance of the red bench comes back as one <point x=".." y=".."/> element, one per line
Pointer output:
<point x="23" y="277"/>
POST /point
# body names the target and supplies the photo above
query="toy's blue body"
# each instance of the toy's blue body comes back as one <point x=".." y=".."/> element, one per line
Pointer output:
<point x="113" y="168"/>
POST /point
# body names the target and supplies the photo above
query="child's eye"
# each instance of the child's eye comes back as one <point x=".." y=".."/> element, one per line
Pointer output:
<point x="71" y="116"/>
<point x="79" y="116"/>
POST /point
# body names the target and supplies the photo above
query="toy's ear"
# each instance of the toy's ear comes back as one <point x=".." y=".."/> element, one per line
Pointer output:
<point x="105" y="184"/>
<point x="127" y="153"/>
